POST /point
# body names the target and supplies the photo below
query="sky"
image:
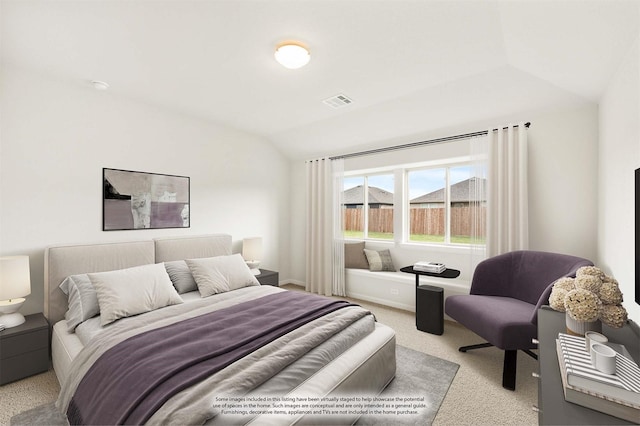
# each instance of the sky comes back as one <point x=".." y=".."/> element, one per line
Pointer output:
<point x="420" y="181"/>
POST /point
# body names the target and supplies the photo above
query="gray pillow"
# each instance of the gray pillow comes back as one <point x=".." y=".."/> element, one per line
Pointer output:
<point x="354" y="256"/>
<point x="180" y="275"/>
<point x="221" y="274"/>
<point x="133" y="291"/>
<point x="82" y="300"/>
<point x="379" y="260"/>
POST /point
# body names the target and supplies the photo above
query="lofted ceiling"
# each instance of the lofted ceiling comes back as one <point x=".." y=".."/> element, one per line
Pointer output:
<point x="409" y="66"/>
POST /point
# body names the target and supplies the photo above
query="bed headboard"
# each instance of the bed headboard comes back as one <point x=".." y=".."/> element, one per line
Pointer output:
<point x="168" y="249"/>
<point x="65" y="260"/>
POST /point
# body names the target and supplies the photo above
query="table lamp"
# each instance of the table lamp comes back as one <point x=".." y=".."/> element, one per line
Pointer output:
<point x="252" y="252"/>
<point x="15" y="283"/>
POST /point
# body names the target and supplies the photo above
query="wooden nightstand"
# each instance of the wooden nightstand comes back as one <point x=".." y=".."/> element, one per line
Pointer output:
<point x="268" y="277"/>
<point x="24" y="350"/>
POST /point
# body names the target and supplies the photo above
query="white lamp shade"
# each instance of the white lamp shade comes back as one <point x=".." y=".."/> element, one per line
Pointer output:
<point x="292" y="55"/>
<point x="15" y="279"/>
<point x="252" y="248"/>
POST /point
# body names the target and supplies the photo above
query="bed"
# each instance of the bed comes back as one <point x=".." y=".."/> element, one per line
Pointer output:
<point x="328" y="349"/>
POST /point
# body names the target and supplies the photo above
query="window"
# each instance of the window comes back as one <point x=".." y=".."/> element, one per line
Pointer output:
<point x="368" y="206"/>
<point x="443" y="204"/>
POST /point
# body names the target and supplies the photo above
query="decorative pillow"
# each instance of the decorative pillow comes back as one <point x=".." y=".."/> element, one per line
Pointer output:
<point x="83" y="300"/>
<point x="354" y="256"/>
<point x="132" y="291"/>
<point x="180" y="275"/>
<point x="379" y="260"/>
<point x="220" y="274"/>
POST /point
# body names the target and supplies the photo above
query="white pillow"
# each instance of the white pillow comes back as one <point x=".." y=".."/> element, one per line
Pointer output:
<point x="132" y="291"/>
<point x="220" y="274"/>
<point x="83" y="301"/>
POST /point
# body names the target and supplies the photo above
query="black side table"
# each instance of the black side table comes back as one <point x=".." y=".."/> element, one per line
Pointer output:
<point x="268" y="277"/>
<point x="24" y="350"/>
<point x="430" y="301"/>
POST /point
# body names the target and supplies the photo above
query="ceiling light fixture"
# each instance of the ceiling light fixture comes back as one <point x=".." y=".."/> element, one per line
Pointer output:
<point x="292" y="54"/>
<point x="99" y="85"/>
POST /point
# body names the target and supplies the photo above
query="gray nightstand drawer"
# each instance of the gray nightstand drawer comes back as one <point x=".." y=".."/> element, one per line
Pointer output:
<point x="27" y="342"/>
<point x="24" y="365"/>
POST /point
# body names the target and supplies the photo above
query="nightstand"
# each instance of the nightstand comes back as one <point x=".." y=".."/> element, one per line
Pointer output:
<point x="24" y="350"/>
<point x="268" y="277"/>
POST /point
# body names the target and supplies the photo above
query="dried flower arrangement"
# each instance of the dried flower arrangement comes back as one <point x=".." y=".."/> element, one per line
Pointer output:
<point x="590" y="296"/>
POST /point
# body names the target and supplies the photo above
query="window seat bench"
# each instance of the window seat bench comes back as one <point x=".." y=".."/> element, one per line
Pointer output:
<point x="396" y="289"/>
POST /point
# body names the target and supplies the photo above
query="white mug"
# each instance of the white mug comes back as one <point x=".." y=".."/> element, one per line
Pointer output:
<point x="593" y="336"/>
<point x="605" y="358"/>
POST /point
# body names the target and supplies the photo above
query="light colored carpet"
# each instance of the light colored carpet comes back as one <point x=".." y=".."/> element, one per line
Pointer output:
<point x="475" y="397"/>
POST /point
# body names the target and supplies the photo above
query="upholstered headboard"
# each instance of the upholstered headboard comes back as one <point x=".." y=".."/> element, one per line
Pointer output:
<point x="168" y="249"/>
<point x="65" y="260"/>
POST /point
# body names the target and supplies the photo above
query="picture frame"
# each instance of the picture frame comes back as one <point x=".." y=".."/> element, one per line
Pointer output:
<point x="142" y="200"/>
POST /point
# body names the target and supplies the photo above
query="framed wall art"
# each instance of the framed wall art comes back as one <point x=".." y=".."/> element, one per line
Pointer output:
<point x="141" y="200"/>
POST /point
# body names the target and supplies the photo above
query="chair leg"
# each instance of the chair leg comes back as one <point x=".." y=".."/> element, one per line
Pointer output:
<point x="509" y="369"/>
<point x="481" y="345"/>
<point x="531" y="354"/>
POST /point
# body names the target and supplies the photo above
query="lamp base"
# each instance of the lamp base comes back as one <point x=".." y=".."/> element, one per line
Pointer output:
<point x="253" y="266"/>
<point x="12" y="320"/>
<point x="9" y="315"/>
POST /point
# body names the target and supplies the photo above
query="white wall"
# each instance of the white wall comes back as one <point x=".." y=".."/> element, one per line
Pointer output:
<point x="563" y="148"/>
<point x="619" y="156"/>
<point x="56" y="136"/>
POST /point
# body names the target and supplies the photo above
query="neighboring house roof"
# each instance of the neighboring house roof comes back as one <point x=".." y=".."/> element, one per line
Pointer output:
<point x="459" y="192"/>
<point x="377" y="195"/>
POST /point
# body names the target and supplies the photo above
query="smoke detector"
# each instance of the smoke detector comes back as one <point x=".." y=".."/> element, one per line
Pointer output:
<point x="338" y="101"/>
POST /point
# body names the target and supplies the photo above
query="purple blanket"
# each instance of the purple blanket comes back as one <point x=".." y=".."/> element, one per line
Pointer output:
<point x="130" y="381"/>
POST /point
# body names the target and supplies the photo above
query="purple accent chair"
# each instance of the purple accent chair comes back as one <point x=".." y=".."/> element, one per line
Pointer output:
<point x="506" y="292"/>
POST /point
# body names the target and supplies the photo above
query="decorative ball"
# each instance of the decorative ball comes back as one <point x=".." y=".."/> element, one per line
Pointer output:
<point x="590" y="270"/>
<point x="556" y="298"/>
<point x="588" y="282"/>
<point x="582" y="305"/>
<point x="613" y="315"/>
<point x="565" y="283"/>
<point x="610" y="293"/>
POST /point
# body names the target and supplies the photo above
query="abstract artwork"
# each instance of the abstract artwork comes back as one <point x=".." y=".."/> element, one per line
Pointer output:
<point x="140" y="200"/>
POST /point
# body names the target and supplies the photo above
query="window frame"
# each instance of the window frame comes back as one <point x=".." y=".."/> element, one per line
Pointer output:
<point x="401" y="201"/>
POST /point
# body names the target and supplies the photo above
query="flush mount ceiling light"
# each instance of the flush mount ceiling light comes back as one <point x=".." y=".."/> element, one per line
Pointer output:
<point x="292" y="54"/>
<point x="99" y="85"/>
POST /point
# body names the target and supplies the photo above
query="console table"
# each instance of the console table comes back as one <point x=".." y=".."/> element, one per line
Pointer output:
<point x="553" y="409"/>
<point x="430" y="301"/>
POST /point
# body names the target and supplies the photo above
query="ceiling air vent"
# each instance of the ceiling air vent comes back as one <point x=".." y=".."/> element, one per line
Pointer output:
<point x="338" y="101"/>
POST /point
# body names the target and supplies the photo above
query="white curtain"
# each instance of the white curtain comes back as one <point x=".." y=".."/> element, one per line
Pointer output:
<point x="325" y="252"/>
<point x="507" y="193"/>
<point x="478" y="148"/>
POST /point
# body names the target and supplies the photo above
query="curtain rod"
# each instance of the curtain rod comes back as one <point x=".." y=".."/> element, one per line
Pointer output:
<point x="416" y="144"/>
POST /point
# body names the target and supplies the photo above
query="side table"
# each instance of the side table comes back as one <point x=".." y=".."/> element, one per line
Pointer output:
<point x="430" y="301"/>
<point x="24" y="350"/>
<point x="268" y="277"/>
<point x="552" y="407"/>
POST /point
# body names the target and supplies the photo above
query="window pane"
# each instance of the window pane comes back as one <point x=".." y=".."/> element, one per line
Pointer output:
<point x="426" y="205"/>
<point x="380" y="207"/>
<point x="353" y="201"/>
<point x="468" y="206"/>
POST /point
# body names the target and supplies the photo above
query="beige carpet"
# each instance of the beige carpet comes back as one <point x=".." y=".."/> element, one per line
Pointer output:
<point x="475" y="397"/>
